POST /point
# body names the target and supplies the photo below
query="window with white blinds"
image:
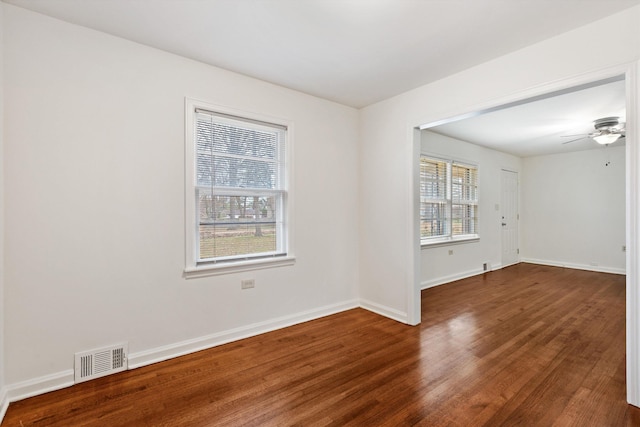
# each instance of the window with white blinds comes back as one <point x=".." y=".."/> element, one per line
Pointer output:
<point x="239" y="188"/>
<point x="448" y="200"/>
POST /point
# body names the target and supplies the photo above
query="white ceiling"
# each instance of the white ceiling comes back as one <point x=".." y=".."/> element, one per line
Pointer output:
<point x="355" y="52"/>
<point x="538" y="127"/>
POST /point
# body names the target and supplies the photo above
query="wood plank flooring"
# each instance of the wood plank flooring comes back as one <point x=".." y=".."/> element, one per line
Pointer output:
<point x="527" y="345"/>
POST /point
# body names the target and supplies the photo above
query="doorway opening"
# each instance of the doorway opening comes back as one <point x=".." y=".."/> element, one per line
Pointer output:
<point x="623" y="157"/>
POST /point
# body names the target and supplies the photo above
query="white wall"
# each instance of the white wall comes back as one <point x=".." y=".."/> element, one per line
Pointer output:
<point x="437" y="265"/>
<point x="573" y="209"/>
<point x="94" y="191"/>
<point x="388" y="253"/>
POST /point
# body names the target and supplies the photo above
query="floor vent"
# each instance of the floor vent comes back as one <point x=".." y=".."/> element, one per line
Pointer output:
<point x="98" y="363"/>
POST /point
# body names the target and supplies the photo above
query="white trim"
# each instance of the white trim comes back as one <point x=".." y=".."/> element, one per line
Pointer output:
<point x="549" y="88"/>
<point x="191" y="268"/>
<point x="632" y="156"/>
<point x="436" y="242"/>
<point x="426" y="284"/>
<point x="414" y="268"/>
<point x="564" y="264"/>
<point x="4" y="403"/>
<point x="64" y="379"/>
<point x="159" y="354"/>
<point x="237" y="266"/>
<point x="385" y="311"/>
<point x="501" y="266"/>
<point x="37" y="386"/>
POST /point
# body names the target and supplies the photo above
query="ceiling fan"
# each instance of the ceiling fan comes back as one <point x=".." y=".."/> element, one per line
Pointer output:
<point x="607" y="131"/>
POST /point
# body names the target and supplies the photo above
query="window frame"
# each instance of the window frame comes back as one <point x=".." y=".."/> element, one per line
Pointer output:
<point x="196" y="268"/>
<point x="448" y="237"/>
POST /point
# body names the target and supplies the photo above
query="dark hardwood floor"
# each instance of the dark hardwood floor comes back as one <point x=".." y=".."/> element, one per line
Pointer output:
<point x="527" y="345"/>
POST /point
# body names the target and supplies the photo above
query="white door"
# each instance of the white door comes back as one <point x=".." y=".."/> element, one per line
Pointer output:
<point x="510" y="217"/>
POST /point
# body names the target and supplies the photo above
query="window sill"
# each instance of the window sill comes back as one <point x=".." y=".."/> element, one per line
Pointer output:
<point x="237" y="266"/>
<point x="445" y="242"/>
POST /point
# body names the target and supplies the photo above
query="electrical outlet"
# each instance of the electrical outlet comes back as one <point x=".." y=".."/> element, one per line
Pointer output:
<point x="450" y="251"/>
<point x="624" y="248"/>
<point x="248" y="284"/>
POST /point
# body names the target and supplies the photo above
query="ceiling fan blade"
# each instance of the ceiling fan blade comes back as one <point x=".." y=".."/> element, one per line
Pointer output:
<point x="574" y="140"/>
<point x="584" y="135"/>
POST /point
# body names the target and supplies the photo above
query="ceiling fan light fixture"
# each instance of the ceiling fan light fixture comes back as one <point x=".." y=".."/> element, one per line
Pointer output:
<point x="607" y="138"/>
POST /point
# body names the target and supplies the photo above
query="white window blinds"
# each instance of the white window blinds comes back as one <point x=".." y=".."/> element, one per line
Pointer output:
<point x="448" y="199"/>
<point x="434" y="184"/>
<point x="464" y="199"/>
<point x="240" y="188"/>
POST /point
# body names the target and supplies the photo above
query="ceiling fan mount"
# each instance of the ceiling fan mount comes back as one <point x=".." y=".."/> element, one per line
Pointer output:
<point x="606" y="123"/>
<point x="607" y="131"/>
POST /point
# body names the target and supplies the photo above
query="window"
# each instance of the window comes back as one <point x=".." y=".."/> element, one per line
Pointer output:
<point x="236" y="187"/>
<point x="448" y="200"/>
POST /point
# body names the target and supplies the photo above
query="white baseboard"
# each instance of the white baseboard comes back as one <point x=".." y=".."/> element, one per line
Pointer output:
<point x="453" y="277"/>
<point x="596" y="268"/>
<point x="458" y="276"/>
<point x="57" y="381"/>
<point x="385" y="311"/>
<point x="159" y="354"/>
<point x="34" y="387"/>
<point x="4" y="403"/>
